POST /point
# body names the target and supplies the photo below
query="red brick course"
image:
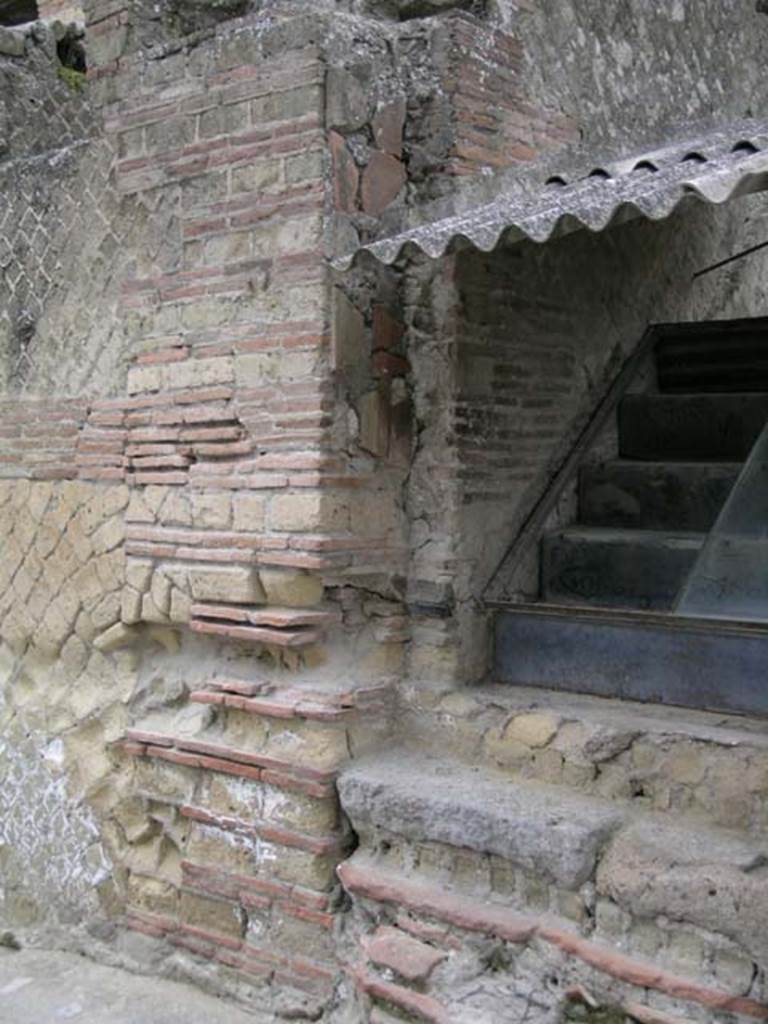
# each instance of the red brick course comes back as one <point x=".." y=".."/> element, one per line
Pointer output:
<point x="423" y="1007"/>
<point x="472" y="915"/>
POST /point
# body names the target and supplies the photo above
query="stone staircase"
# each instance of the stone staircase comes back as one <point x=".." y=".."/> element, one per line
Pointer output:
<point x="608" y="583"/>
<point x="571" y="859"/>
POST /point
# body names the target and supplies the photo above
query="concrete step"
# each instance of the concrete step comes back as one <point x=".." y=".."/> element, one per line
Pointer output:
<point x="711" y="769"/>
<point x="655" y="495"/>
<point x="616" y="568"/>
<point x="449" y="854"/>
<point x="667" y="659"/>
<point x="714" y="426"/>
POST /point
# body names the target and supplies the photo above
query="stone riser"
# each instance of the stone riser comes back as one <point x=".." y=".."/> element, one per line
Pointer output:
<point x="654" y="495"/>
<point x="690" y="427"/>
<point x="617" y="568"/>
<point x="697" y="766"/>
<point x="634" y="659"/>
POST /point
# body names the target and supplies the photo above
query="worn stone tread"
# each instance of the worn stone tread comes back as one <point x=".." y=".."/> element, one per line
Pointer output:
<point x="539" y="827"/>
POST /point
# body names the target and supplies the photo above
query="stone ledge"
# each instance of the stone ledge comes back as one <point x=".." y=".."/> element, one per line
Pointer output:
<point x="540" y="828"/>
<point x="706" y="726"/>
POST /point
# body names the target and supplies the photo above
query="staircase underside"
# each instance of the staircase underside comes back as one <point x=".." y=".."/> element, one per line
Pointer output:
<point x="635" y="655"/>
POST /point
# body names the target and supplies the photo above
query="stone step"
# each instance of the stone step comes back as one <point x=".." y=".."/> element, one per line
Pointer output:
<point x="655" y="495"/>
<point x="711" y="769"/>
<point x="732" y="359"/>
<point x="709" y="664"/>
<point x="721" y="427"/>
<point x="616" y="568"/>
<point x="549" y="830"/>
<point x="450" y="855"/>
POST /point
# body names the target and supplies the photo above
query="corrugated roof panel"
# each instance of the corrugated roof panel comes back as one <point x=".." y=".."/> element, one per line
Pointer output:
<point x="714" y="168"/>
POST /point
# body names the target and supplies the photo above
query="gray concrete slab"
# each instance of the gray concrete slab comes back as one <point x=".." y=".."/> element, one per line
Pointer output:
<point x="41" y="987"/>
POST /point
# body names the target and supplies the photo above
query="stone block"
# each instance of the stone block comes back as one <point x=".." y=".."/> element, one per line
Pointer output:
<point x="130" y="606"/>
<point x="256" y="176"/>
<point x="237" y="853"/>
<point x="388" y="330"/>
<point x="305" y="166"/>
<point x="248" y="512"/>
<point x="150" y="611"/>
<point x="211" y="509"/>
<point x="199" y="372"/>
<point x="347" y="103"/>
<point x="373" y="411"/>
<point x="224" y="120"/>
<point x="181" y="606"/>
<point x="290" y="588"/>
<point x="12" y="44"/>
<point x="118" y="635"/>
<point x="237" y="584"/>
<point x="308" y="513"/>
<point x="542" y="829"/>
<point x="152" y="895"/>
<point x="211" y="914"/>
<point x="346" y="177"/>
<point x="286" y="105"/>
<point x="382" y="180"/>
<point x="535" y="729"/>
<point x="348" y="333"/>
<point x="708" y="878"/>
<point x="138" y="573"/>
<point x="388" y="124"/>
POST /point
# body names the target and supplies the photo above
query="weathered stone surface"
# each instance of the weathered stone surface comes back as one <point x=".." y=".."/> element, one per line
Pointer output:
<point x="538" y="827"/>
<point x="45" y="985"/>
<point x="374" y="415"/>
<point x="411" y="959"/>
<point x="290" y="588"/>
<point x="235" y="583"/>
<point x="705" y="877"/>
<point x="12" y="44"/>
<point x="346" y="176"/>
<point x="382" y="180"/>
<point x="116" y="636"/>
<point x="388" y="124"/>
<point x="347" y="102"/>
<point x="348" y="331"/>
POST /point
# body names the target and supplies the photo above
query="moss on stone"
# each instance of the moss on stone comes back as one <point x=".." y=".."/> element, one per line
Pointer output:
<point x="74" y="79"/>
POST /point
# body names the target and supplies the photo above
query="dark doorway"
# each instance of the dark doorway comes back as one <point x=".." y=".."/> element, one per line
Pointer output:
<point x="17" y="12"/>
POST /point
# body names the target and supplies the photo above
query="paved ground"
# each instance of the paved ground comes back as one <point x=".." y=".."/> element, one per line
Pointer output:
<point x="38" y="987"/>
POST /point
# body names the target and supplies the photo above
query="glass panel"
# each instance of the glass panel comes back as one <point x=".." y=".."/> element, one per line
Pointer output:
<point x="729" y="579"/>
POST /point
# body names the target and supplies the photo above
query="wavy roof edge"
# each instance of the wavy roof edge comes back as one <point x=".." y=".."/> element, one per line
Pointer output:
<point x="713" y="168"/>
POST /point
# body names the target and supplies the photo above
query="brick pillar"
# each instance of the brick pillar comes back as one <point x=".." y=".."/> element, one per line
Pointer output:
<point x="240" y="528"/>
